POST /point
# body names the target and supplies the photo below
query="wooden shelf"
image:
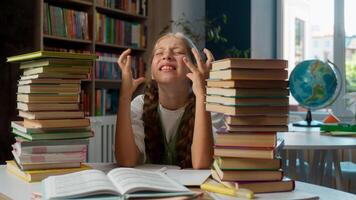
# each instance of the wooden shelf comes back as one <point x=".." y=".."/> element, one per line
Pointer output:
<point x="107" y="81"/>
<point x="70" y="2"/>
<point x="118" y="12"/>
<point x="123" y="47"/>
<point x="74" y="40"/>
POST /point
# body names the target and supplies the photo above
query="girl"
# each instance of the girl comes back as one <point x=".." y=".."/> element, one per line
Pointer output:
<point x="169" y="123"/>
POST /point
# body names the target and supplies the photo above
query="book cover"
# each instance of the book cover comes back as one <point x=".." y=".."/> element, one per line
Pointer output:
<point x="79" y="156"/>
<point x="47" y="106"/>
<point x="84" y="70"/>
<point x="49" y="88"/>
<point x="248" y="92"/>
<point x="39" y="175"/>
<point x="249" y="74"/>
<point x="230" y="163"/>
<point x="247" y="110"/>
<point x="245" y="139"/>
<point x="53" y="136"/>
<point x="28" y="143"/>
<point x="55" y="62"/>
<point x="247" y="101"/>
<point x="19" y="125"/>
<point x="51" y="114"/>
<point x="50" y="54"/>
<point x="40" y="149"/>
<point x="338" y="127"/>
<point x="283" y="185"/>
<point x="249" y="175"/>
<point x="248" y="152"/>
<point x="54" y="75"/>
<point x="48" y="98"/>
<point x="49" y="81"/>
<point x="247" y="83"/>
<point x="56" y="123"/>
<point x="247" y="63"/>
<point x="256" y="120"/>
<point x="257" y="128"/>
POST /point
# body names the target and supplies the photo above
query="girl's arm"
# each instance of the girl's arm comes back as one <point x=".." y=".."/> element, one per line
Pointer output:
<point x="202" y="144"/>
<point x="126" y="151"/>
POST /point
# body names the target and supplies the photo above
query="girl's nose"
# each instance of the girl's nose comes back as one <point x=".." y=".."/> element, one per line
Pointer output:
<point x="167" y="55"/>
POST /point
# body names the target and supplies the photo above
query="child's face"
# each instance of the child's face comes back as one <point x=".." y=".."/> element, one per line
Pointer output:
<point x="167" y="63"/>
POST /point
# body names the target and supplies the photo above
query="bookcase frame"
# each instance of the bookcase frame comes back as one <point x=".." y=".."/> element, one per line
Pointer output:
<point x="42" y="40"/>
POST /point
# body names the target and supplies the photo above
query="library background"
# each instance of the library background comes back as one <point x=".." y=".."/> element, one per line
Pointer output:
<point x="285" y="29"/>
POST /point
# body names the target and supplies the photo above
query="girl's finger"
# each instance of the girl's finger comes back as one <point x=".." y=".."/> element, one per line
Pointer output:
<point x="209" y="56"/>
<point x="190" y="65"/>
<point x="123" y="56"/>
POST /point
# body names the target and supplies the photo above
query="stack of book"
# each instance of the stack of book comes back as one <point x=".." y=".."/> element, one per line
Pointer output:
<point x="53" y="136"/>
<point x="253" y="96"/>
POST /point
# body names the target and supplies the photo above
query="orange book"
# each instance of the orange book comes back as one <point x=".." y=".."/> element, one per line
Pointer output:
<point x="247" y="63"/>
<point x="56" y="123"/>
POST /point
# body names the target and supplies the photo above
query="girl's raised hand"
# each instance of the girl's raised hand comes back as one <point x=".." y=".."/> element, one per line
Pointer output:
<point x="128" y="84"/>
<point x="200" y="72"/>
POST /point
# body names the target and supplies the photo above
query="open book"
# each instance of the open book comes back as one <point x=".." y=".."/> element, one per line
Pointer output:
<point x="126" y="182"/>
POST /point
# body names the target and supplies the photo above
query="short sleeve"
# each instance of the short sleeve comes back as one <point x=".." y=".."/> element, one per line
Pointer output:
<point x="137" y="123"/>
<point x="217" y="121"/>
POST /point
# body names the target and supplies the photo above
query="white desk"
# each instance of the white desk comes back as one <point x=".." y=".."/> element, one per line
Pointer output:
<point x="310" y="139"/>
<point x="15" y="188"/>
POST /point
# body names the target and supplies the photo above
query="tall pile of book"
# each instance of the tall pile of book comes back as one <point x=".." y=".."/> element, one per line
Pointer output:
<point x="53" y="136"/>
<point x="253" y="96"/>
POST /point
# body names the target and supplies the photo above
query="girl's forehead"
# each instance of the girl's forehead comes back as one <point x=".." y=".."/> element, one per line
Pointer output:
<point x="170" y="41"/>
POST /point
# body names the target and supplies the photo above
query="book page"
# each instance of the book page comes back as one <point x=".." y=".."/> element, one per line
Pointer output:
<point x="79" y="184"/>
<point x="129" y="180"/>
<point x="188" y="177"/>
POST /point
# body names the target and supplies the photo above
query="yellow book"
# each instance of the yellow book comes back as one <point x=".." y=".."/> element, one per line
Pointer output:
<point x="51" y="54"/>
<point x="211" y="185"/>
<point x="39" y="175"/>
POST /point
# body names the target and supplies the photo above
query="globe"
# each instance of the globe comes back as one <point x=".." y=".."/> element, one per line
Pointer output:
<point x="315" y="84"/>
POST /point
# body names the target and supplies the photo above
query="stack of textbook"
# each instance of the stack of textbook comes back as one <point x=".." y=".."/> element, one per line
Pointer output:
<point x="253" y="96"/>
<point x="53" y="136"/>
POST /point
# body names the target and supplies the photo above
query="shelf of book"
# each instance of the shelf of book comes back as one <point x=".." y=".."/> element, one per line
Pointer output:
<point x="101" y="27"/>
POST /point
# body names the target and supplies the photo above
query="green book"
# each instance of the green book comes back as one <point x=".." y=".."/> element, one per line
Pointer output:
<point x="338" y="128"/>
<point x="53" y="136"/>
<point x="50" y="54"/>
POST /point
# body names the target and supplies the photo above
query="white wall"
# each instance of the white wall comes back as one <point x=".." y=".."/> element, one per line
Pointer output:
<point x="193" y="10"/>
<point x="263" y="28"/>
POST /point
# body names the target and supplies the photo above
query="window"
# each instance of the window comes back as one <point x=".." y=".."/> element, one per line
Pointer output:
<point x="350" y="45"/>
<point x="307" y="31"/>
<point x="299" y="40"/>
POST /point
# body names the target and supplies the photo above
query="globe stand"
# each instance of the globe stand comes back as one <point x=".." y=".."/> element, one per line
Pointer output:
<point x="308" y="122"/>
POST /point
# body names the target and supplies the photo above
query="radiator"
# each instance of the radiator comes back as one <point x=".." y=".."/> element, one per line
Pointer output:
<point x="101" y="146"/>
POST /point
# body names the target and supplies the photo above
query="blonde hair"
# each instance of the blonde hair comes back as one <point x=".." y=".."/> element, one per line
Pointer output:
<point x="154" y="141"/>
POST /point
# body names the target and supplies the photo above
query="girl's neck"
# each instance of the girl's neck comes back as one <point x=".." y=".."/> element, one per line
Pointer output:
<point x="173" y="98"/>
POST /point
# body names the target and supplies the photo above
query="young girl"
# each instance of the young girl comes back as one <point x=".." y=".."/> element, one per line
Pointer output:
<point x="169" y="123"/>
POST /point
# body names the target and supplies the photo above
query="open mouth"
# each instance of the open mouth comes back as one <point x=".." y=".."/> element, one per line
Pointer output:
<point x="167" y="68"/>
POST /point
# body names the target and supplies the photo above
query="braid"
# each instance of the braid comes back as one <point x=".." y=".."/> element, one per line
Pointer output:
<point x="154" y="146"/>
<point x="184" y="142"/>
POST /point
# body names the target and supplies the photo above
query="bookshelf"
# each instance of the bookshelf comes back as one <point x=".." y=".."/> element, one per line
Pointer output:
<point x="103" y="27"/>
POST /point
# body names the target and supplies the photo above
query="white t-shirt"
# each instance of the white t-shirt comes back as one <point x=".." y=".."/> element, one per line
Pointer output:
<point x="170" y="122"/>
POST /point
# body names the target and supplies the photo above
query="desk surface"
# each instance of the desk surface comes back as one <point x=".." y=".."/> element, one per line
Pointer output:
<point x="16" y="188"/>
<point x="309" y="138"/>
